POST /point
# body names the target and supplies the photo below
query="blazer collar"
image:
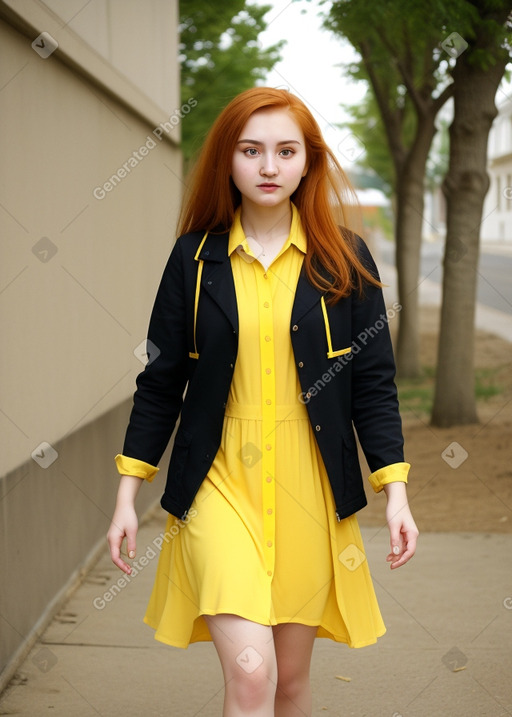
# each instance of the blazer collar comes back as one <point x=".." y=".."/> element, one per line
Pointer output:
<point x="215" y="248"/>
<point x="217" y="280"/>
<point x="217" y="276"/>
<point x="306" y="296"/>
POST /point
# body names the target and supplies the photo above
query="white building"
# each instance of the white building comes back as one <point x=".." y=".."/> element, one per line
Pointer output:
<point x="497" y="214"/>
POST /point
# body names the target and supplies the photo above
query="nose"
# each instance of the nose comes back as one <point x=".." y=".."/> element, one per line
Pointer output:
<point x="268" y="165"/>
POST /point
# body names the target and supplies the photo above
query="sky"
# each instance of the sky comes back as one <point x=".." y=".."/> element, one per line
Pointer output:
<point x="308" y="68"/>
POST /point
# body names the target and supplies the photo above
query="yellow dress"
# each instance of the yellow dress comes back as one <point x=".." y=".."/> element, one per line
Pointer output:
<point x="262" y="540"/>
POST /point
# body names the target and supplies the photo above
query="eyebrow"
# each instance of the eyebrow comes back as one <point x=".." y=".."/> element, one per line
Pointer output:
<point x="255" y="141"/>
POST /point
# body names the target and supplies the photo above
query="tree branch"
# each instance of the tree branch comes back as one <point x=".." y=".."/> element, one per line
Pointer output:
<point x="391" y="120"/>
<point x="443" y="97"/>
<point x="408" y="80"/>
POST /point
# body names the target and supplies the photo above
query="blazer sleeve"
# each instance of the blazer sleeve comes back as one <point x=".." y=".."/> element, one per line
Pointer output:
<point x="133" y="467"/>
<point x="375" y="412"/>
<point x="396" y="472"/>
<point x="160" y="386"/>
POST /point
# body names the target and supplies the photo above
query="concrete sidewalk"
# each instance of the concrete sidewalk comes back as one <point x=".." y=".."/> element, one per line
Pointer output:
<point x="447" y="650"/>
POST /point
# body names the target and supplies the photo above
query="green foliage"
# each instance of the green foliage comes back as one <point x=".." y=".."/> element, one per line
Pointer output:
<point x="220" y="57"/>
<point x="399" y="45"/>
<point x="367" y="126"/>
<point x="403" y="60"/>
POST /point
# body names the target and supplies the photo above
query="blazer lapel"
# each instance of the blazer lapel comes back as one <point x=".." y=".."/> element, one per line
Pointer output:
<point x="306" y="296"/>
<point x="217" y="281"/>
<point x="217" y="278"/>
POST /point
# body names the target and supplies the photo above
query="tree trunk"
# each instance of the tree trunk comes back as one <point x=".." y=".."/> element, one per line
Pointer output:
<point x="408" y="235"/>
<point x="464" y="187"/>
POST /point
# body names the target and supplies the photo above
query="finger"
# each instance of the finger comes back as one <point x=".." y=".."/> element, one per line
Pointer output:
<point x="391" y="558"/>
<point x="401" y="560"/>
<point x="396" y="544"/>
<point x="411" y="542"/>
<point x="122" y="565"/>
<point x="131" y="546"/>
<point x="396" y="550"/>
<point x="395" y="553"/>
<point x="407" y="555"/>
<point x="115" y="555"/>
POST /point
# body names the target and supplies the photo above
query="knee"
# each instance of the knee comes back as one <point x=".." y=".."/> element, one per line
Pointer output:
<point x="252" y="689"/>
<point x="292" y="683"/>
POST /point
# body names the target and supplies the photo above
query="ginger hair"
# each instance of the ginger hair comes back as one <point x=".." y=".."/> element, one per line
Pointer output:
<point x="324" y="198"/>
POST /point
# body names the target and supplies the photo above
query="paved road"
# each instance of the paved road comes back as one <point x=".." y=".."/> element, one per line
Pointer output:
<point x="494" y="273"/>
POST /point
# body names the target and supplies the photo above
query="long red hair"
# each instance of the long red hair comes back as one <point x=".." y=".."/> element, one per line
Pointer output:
<point x="331" y="262"/>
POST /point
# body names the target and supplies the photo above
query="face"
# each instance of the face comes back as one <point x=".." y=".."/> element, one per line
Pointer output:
<point x="269" y="159"/>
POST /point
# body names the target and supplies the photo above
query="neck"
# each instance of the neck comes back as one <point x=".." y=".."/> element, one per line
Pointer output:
<point x="266" y="223"/>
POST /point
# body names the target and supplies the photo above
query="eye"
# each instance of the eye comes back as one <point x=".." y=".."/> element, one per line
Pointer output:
<point x="251" y="151"/>
<point x="287" y="152"/>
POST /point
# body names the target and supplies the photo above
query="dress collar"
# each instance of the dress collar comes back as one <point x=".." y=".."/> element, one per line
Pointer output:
<point x="238" y="241"/>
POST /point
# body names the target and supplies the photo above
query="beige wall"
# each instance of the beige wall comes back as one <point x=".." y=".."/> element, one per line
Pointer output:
<point x="78" y="274"/>
<point x="133" y="37"/>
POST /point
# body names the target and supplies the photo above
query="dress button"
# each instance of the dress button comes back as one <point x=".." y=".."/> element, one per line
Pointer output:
<point x="295" y="327"/>
<point x="268" y="402"/>
<point x="265" y="276"/>
<point x="268" y="447"/>
<point x="301" y="364"/>
<point x="267" y="338"/>
<point x="269" y="479"/>
<point x="266" y="304"/>
<point x="269" y="572"/>
<point x="318" y="428"/>
<point x="268" y="370"/>
<point x="269" y="511"/>
<point x="269" y="543"/>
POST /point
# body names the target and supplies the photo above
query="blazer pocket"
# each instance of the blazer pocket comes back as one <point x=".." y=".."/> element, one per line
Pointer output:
<point x="195" y="354"/>
<point x="341" y="352"/>
<point x="331" y="353"/>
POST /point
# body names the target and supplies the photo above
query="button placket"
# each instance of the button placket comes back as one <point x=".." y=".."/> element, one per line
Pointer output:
<point x="268" y="395"/>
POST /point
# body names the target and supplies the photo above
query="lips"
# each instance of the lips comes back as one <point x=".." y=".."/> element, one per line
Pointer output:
<point x="268" y="188"/>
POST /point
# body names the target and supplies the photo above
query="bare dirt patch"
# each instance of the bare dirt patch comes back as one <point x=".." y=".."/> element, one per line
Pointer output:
<point x="447" y="490"/>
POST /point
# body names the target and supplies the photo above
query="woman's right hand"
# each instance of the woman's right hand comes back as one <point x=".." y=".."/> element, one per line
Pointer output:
<point x="124" y="523"/>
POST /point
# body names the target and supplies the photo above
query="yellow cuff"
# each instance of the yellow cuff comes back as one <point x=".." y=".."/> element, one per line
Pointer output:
<point x="133" y="467"/>
<point x="389" y="474"/>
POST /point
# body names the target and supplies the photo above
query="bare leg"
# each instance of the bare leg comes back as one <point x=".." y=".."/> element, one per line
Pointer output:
<point x="293" y="647"/>
<point x="246" y="652"/>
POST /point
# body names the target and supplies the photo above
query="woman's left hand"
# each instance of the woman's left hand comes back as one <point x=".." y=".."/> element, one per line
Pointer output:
<point x="403" y="532"/>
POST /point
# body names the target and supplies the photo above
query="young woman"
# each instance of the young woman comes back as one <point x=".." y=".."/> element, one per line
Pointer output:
<point x="270" y="342"/>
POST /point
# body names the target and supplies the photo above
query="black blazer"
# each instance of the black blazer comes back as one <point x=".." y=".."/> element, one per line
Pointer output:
<point x="353" y="388"/>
